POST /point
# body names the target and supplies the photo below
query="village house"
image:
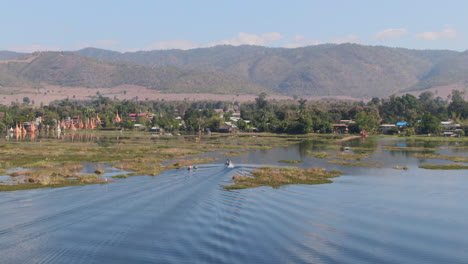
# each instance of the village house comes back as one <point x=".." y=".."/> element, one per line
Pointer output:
<point x="228" y="127"/>
<point x="386" y="128"/>
<point x="340" y="128"/>
<point x="134" y="116"/>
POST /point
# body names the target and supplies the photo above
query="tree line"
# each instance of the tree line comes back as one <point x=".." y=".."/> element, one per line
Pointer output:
<point x="421" y="114"/>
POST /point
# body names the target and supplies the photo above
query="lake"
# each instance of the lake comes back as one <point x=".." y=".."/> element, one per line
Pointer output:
<point x="367" y="215"/>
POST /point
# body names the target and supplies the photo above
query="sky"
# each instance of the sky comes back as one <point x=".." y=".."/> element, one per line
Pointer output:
<point x="66" y="25"/>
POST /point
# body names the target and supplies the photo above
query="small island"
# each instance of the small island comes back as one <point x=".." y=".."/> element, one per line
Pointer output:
<point x="276" y="177"/>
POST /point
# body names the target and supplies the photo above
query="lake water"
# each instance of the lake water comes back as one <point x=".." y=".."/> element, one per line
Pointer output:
<point x="368" y="215"/>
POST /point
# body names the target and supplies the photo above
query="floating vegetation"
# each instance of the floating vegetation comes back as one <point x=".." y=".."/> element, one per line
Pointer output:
<point x="56" y="163"/>
<point x="321" y="155"/>
<point x="353" y="164"/>
<point x="444" y="167"/>
<point x="26" y="186"/>
<point x="234" y="153"/>
<point x="51" y="177"/>
<point x="443" y="157"/>
<point x="275" y="177"/>
<point x="333" y="147"/>
<point x="120" y="176"/>
<point x="351" y="156"/>
<point x="420" y="149"/>
<point x="441" y="139"/>
<point x="99" y="170"/>
<point x="290" y="161"/>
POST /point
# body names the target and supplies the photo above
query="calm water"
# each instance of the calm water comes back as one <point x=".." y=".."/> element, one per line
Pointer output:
<point x="368" y="215"/>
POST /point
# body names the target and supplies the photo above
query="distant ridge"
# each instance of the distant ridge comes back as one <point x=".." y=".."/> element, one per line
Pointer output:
<point x="323" y="70"/>
<point x="9" y="55"/>
<point x="72" y="70"/>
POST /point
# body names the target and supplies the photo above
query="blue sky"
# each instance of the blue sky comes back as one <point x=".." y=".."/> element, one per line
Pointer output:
<point x="31" y="25"/>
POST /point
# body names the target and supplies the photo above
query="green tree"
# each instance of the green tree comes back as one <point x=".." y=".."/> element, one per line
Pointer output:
<point x="127" y="124"/>
<point x="429" y="124"/>
<point x="458" y="107"/>
<point x="261" y="101"/>
<point x="367" y="121"/>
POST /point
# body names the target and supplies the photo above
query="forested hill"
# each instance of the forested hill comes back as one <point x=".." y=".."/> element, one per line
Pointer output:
<point x="346" y="69"/>
<point x="330" y="70"/>
<point x="72" y="70"/>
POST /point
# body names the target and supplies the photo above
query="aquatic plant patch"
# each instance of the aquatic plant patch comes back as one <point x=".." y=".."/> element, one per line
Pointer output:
<point x="290" y="161"/>
<point x="321" y="155"/>
<point x="444" y="167"/>
<point x="442" y="157"/>
<point x="353" y="164"/>
<point x="275" y="177"/>
<point x="49" y="162"/>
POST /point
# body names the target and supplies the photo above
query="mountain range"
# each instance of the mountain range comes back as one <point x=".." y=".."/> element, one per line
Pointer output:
<point x="323" y="70"/>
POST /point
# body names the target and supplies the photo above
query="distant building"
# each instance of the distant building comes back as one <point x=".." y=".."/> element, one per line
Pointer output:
<point x="340" y="128"/>
<point x="134" y="116"/>
<point x="450" y="124"/>
<point x="385" y="128"/>
<point x="402" y="124"/>
<point x="228" y="127"/>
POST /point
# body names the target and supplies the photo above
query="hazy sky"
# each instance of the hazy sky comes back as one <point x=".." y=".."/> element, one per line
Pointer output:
<point x="31" y="25"/>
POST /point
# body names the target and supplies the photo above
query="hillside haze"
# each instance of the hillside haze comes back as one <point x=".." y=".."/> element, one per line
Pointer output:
<point x="323" y="70"/>
<point x="72" y="70"/>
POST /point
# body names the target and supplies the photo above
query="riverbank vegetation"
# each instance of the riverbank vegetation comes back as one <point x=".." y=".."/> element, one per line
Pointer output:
<point x="444" y="167"/>
<point x="407" y="115"/>
<point x="275" y="177"/>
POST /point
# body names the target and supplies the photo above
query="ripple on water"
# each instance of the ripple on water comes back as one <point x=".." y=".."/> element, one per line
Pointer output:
<point x="183" y="217"/>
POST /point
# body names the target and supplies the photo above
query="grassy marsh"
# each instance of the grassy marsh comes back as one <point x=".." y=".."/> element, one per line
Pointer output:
<point x="55" y="163"/>
<point x="353" y="164"/>
<point x="290" y="161"/>
<point x="419" y="149"/>
<point x="275" y="177"/>
<point x="442" y="157"/>
<point x="444" y="167"/>
<point x="350" y="156"/>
